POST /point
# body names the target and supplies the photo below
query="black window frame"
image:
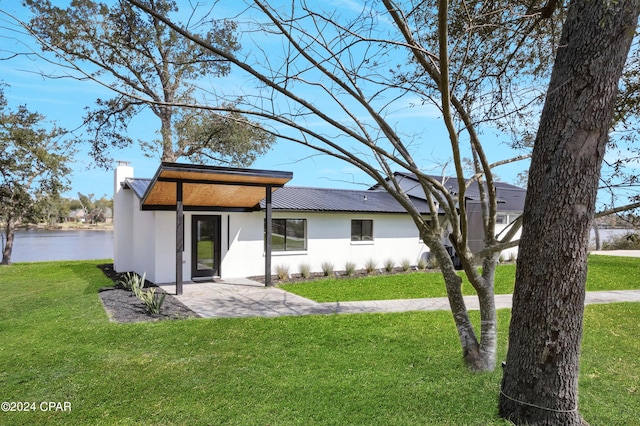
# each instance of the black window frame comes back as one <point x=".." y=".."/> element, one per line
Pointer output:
<point x="283" y="227"/>
<point x="361" y="234"/>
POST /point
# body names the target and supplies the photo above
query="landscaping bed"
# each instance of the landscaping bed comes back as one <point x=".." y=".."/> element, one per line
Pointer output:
<point x="123" y="306"/>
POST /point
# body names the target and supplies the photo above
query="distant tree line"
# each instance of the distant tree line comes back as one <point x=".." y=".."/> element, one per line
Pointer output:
<point x="86" y="208"/>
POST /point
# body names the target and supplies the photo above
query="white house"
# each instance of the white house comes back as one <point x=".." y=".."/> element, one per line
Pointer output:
<point x="214" y="222"/>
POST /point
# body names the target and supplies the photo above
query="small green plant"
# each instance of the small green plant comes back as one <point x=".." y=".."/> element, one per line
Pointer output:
<point x="327" y="268"/>
<point x="135" y="283"/>
<point x="388" y="265"/>
<point x="153" y="301"/>
<point x="370" y="266"/>
<point x="349" y="268"/>
<point x="305" y="270"/>
<point x="132" y="282"/>
<point x="406" y="265"/>
<point x="282" y="271"/>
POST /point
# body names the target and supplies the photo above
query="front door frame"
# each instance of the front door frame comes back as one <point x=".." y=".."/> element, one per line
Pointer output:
<point x="217" y="245"/>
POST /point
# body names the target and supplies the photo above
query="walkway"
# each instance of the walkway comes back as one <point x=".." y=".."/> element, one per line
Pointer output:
<point x="245" y="298"/>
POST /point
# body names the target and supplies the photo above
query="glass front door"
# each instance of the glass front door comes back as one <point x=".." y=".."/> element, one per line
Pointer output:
<point x="205" y="246"/>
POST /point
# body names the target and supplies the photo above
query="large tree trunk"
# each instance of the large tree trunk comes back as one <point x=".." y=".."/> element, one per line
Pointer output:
<point x="540" y="383"/>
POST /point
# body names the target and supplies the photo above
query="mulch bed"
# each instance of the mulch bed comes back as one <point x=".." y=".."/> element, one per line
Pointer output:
<point x="122" y="306"/>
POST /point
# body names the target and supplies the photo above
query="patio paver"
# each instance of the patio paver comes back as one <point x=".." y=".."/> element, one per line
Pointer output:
<point x="240" y="298"/>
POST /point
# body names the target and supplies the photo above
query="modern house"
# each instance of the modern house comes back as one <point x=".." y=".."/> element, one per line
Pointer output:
<point x="192" y="222"/>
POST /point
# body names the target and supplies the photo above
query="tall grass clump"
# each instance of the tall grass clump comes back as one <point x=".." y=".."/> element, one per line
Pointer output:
<point x="370" y="266"/>
<point x="405" y="265"/>
<point x="327" y="268"/>
<point x="388" y="265"/>
<point x="349" y="268"/>
<point x="282" y="272"/>
<point x="422" y="264"/>
<point x="305" y="270"/>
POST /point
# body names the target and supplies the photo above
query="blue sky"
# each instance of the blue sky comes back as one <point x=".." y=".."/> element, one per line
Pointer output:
<point x="64" y="101"/>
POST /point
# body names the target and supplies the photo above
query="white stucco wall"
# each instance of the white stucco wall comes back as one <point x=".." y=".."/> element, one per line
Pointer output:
<point x="328" y="240"/>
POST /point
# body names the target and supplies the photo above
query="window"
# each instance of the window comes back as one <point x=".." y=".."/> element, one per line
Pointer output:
<point x="361" y="230"/>
<point x="501" y="219"/>
<point x="288" y="234"/>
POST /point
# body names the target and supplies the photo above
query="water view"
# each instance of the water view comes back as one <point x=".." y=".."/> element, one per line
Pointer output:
<point x="40" y="245"/>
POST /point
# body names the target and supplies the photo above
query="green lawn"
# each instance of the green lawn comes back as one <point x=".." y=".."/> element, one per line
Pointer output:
<point x="372" y="369"/>
<point x="605" y="273"/>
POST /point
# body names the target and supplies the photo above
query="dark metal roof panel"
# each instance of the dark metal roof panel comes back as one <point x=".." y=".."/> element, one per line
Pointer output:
<point x="291" y="198"/>
<point x="510" y="197"/>
<point x="137" y="185"/>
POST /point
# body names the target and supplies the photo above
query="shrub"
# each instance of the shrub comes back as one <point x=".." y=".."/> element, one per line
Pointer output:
<point x="282" y="271"/>
<point x="370" y="266"/>
<point x="422" y="264"/>
<point x="153" y="301"/>
<point x="406" y="265"/>
<point x="630" y="241"/>
<point x="327" y="268"/>
<point x="349" y="268"/>
<point x="388" y="265"/>
<point x="305" y="270"/>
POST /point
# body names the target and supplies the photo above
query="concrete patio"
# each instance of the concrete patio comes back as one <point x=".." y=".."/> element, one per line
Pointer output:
<point x="241" y="297"/>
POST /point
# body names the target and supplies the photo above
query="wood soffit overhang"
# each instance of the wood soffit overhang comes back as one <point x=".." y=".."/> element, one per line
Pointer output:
<point x="210" y="187"/>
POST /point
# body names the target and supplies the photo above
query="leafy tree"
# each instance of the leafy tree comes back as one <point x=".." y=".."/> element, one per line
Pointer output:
<point x="51" y="209"/>
<point x="33" y="166"/>
<point x="148" y="66"/>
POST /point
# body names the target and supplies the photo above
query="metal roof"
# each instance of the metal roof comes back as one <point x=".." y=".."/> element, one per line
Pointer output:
<point x="138" y="185"/>
<point x="291" y="198"/>
<point x="510" y="197"/>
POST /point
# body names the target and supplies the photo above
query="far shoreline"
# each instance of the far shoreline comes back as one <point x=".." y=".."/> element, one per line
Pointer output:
<point x="66" y="227"/>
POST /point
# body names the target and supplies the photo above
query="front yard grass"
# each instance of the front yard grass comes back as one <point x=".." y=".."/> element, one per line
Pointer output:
<point x="371" y="369"/>
<point x="605" y="273"/>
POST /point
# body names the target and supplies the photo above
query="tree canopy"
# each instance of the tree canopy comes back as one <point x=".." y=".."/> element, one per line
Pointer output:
<point x="33" y="166"/>
<point x="148" y="67"/>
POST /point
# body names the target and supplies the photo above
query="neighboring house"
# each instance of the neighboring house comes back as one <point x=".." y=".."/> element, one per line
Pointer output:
<point x="76" y="215"/>
<point x="212" y="221"/>
<point x="510" y="206"/>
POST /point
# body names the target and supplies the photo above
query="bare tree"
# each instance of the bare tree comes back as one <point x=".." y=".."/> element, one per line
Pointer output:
<point x="351" y="72"/>
<point x="344" y="62"/>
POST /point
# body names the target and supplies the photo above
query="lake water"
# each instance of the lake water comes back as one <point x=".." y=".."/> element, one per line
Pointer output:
<point x="40" y="245"/>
